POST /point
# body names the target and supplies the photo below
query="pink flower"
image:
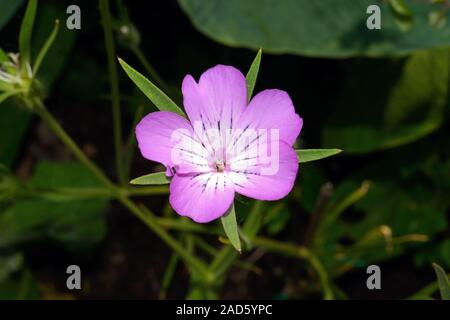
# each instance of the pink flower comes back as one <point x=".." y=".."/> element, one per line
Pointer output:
<point x="227" y="146"/>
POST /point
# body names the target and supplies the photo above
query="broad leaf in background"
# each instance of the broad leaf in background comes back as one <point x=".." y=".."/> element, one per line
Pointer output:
<point x="13" y="124"/>
<point x="8" y="9"/>
<point x="325" y="28"/>
<point x="75" y="223"/>
<point x="402" y="14"/>
<point x="406" y="105"/>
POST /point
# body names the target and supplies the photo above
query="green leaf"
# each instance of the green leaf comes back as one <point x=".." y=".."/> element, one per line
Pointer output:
<point x="252" y="74"/>
<point x="13" y="125"/>
<point x="77" y="224"/>
<point x="313" y="28"/>
<point x="152" y="178"/>
<point x="413" y="214"/>
<point x="438" y="18"/>
<point x="43" y="52"/>
<point x="159" y="98"/>
<point x="307" y="155"/>
<point x="444" y="283"/>
<point x="402" y="14"/>
<point x="26" y="31"/>
<point x="7" y="10"/>
<point x="389" y="103"/>
<point x="231" y="228"/>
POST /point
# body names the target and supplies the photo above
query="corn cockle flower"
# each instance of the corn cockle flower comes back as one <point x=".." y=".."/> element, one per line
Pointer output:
<point x="227" y="146"/>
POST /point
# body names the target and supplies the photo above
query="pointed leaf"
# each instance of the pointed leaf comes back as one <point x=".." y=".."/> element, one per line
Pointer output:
<point x="48" y="43"/>
<point x="26" y="31"/>
<point x="8" y="9"/>
<point x="252" y="74"/>
<point x="159" y="98"/>
<point x="152" y="178"/>
<point x="231" y="228"/>
<point x="443" y="281"/>
<point x="307" y="155"/>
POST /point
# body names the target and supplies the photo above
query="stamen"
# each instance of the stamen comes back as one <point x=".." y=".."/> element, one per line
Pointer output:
<point x="219" y="165"/>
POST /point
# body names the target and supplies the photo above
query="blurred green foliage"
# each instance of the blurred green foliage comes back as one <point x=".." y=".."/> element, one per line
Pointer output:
<point x="385" y="104"/>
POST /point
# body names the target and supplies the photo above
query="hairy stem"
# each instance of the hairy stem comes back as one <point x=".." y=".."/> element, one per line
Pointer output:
<point x="302" y="253"/>
<point x="114" y="82"/>
<point x="91" y="192"/>
<point x="144" y="214"/>
<point x="225" y="258"/>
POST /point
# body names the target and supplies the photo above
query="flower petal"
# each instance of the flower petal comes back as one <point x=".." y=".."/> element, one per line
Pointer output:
<point x="273" y="109"/>
<point x="218" y="99"/>
<point x="202" y="197"/>
<point x="167" y="138"/>
<point x="269" y="177"/>
<point x="214" y="104"/>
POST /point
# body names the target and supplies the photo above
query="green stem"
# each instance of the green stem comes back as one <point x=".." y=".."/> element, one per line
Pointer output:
<point x="91" y="192"/>
<point x="333" y="213"/>
<point x="131" y="142"/>
<point x="302" y="253"/>
<point x="210" y="250"/>
<point x="224" y="260"/>
<point x="114" y="82"/>
<point x="146" y="191"/>
<point x="59" y="131"/>
<point x="225" y="257"/>
<point x="24" y="285"/>
<point x="168" y="275"/>
<point x="149" y="219"/>
<point x="188" y="227"/>
<point x="144" y="215"/>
